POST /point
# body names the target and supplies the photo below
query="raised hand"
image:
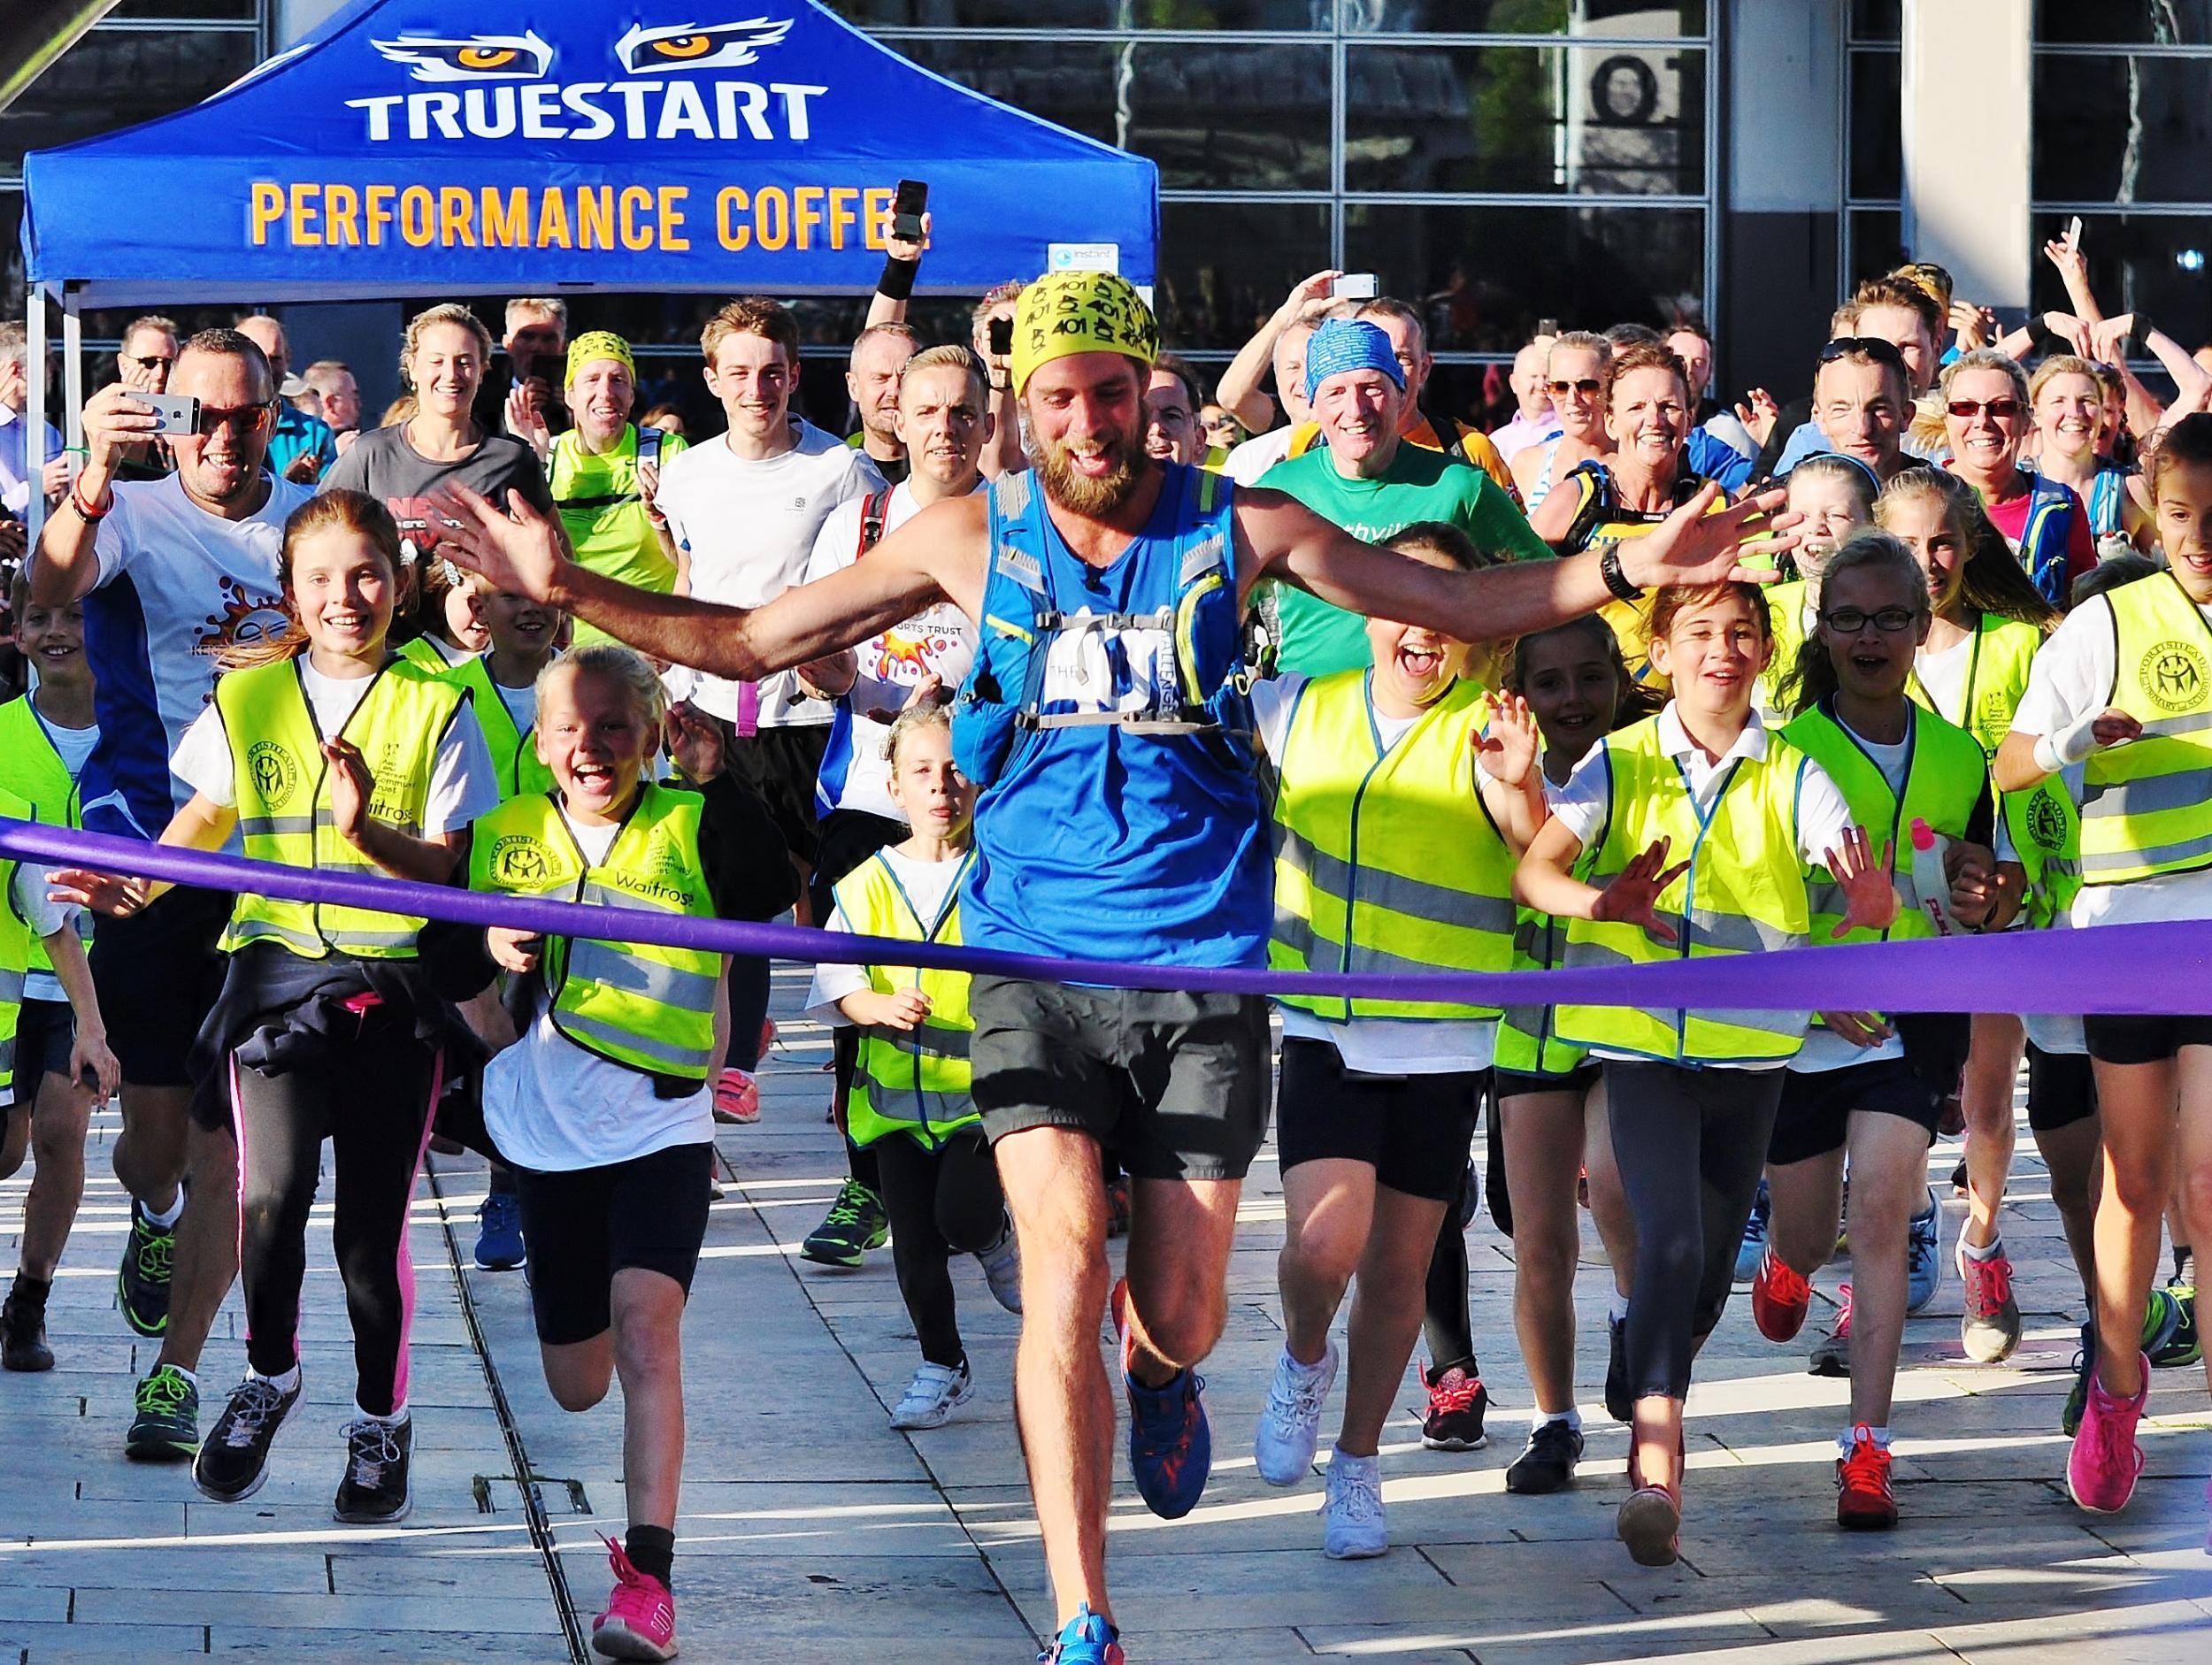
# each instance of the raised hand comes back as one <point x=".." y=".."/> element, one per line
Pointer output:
<point x="1310" y="299"/>
<point x="110" y="894"/>
<point x="1696" y="545"/>
<point x="2104" y="339"/>
<point x="351" y="787"/>
<point x="696" y="743"/>
<point x="1870" y="897"/>
<point x="519" y="550"/>
<point x="2073" y="331"/>
<point x="1759" y="413"/>
<point x="899" y="247"/>
<point x="1509" y="742"/>
<point x="1629" y="899"/>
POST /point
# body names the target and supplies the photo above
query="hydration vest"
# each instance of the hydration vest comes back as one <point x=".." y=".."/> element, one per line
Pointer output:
<point x="908" y="1081"/>
<point x="283" y="787"/>
<point x="647" y="1008"/>
<point x="2044" y="535"/>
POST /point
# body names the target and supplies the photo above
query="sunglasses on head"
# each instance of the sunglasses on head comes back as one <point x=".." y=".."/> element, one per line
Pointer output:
<point x="1587" y="384"/>
<point x="1999" y="410"/>
<point x="1880" y="351"/>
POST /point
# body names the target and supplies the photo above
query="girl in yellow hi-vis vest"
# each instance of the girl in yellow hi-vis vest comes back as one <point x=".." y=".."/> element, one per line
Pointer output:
<point x="1987" y="623"/>
<point x="2123" y="687"/>
<point x="1691" y="1094"/>
<point x="328" y="751"/>
<point x="1404" y="794"/>
<point x="910" y="1100"/>
<point x="602" y="1109"/>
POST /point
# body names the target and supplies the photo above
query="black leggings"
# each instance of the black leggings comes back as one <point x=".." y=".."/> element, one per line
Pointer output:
<point x="1690" y="1145"/>
<point x="1446" y="1323"/>
<point x="748" y="1010"/>
<point x="941" y="1203"/>
<point x="371" y="1098"/>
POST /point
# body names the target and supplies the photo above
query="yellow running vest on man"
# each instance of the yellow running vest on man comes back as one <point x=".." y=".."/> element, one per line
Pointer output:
<point x="1746" y="892"/>
<point x="283" y="787"/>
<point x="647" y="1008"/>
<point x="33" y="771"/>
<point x="16" y="941"/>
<point x="2147" y="806"/>
<point x="514" y="751"/>
<point x="912" y="1082"/>
<point x="1386" y="860"/>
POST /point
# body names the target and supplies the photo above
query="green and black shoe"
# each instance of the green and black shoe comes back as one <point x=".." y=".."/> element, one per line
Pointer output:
<point x="2184" y="1345"/>
<point x="142" y="1284"/>
<point x="855" y="1223"/>
<point x="166" y="1428"/>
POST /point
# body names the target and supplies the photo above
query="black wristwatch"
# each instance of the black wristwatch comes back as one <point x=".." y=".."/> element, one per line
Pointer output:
<point x="1616" y="579"/>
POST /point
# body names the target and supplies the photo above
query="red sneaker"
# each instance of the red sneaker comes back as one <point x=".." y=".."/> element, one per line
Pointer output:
<point x="736" y="1097"/>
<point x="1864" y="1500"/>
<point x="640" y="1622"/>
<point x="1778" y="1299"/>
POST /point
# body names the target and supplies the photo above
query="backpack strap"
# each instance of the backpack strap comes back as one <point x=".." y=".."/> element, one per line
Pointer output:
<point x="875" y="508"/>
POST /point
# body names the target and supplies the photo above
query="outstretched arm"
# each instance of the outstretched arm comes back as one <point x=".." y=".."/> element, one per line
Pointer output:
<point x="939" y="553"/>
<point x="1280" y="538"/>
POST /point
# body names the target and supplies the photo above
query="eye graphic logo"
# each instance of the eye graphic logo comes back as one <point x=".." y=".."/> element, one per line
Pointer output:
<point x="724" y="46"/>
<point x="2173" y="674"/>
<point x="472" y="57"/>
<point x="272" y="772"/>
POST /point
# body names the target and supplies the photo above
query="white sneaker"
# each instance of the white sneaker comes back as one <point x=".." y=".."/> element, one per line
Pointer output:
<point x="1290" y="1427"/>
<point x="1001" y="1265"/>
<point x="932" y="1395"/>
<point x="1353" y="1525"/>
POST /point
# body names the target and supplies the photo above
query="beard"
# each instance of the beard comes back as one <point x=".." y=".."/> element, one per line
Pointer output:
<point x="1082" y="494"/>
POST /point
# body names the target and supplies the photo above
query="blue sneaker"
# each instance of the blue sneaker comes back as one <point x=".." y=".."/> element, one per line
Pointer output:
<point x="1085" y="1640"/>
<point x="499" y="1246"/>
<point x="1753" y="1249"/>
<point x="1170" y="1444"/>
<point x="1924" y="1260"/>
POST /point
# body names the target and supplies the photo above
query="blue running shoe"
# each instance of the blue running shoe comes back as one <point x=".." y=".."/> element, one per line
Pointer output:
<point x="1170" y="1444"/>
<point x="499" y="1246"/>
<point x="1753" y="1249"/>
<point x="1924" y="1260"/>
<point x="1085" y="1640"/>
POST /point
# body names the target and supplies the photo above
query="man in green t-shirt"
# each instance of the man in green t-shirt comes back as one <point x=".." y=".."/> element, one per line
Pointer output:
<point x="605" y="473"/>
<point x="1374" y="486"/>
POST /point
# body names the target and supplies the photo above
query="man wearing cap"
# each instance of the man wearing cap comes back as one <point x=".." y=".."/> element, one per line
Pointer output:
<point x="1119" y="819"/>
<point x="605" y="471"/>
<point x="1374" y="484"/>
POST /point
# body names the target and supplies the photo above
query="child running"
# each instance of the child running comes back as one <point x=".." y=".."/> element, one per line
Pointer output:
<point x="330" y="752"/>
<point x="1862" y="1085"/>
<point x="602" y="1110"/>
<point x="52" y="1040"/>
<point x="1691" y="1094"/>
<point x="1395" y="851"/>
<point x="1551" y="1104"/>
<point x="2125" y="688"/>
<point x="910" y="1100"/>
<point x="1987" y="626"/>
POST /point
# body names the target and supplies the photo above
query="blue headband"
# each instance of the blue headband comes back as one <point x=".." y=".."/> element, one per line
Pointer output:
<point x="1344" y="343"/>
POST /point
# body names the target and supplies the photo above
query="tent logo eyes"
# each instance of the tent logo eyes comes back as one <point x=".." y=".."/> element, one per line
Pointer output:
<point x="528" y="57"/>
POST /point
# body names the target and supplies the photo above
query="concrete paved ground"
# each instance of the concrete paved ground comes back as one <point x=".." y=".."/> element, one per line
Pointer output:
<point x="811" y="1531"/>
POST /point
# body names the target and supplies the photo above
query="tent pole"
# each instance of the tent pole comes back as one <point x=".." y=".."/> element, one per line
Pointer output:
<point x="35" y="418"/>
<point x="72" y="369"/>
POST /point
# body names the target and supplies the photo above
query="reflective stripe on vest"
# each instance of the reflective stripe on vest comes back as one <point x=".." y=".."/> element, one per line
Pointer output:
<point x="1744" y="892"/>
<point x="15" y="941"/>
<point x="2147" y="806"/>
<point x="915" y="1081"/>
<point x="1386" y="861"/>
<point x="31" y="767"/>
<point x="284" y="800"/>
<point x="647" y="1008"/>
<point x="514" y="751"/>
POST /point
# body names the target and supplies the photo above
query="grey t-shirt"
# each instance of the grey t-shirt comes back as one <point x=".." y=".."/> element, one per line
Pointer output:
<point x="383" y="464"/>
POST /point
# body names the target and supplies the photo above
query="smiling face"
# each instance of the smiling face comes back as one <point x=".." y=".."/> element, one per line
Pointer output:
<point x="593" y="734"/>
<point x="1290" y="370"/>
<point x="1927" y="526"/>
<point x="1414" y="666"/>
<point x="53" y="639"/>
<point x="519" y="627"/>
<point x="1713" y="652"/>
<point x="1648" y="416"/>
<point x="599" y="399"/>
<point x="446" y="368"/>
<point x="1576" y="381"/>
<point x="235" y="397"/>
<point x="1985" y="440"/>
<point x="342" y="588"/>
<point x="1859" y="406"/>
<point x="1572" y="687"/>
<point x="752" y="377"/>
<point x="1359" y="410"/>
<point x="2068" y="414"/>
<point x="1871" y="663"/>
<point x="1831" y="511"/>
<point x="465" y="620"/>
<point x="2183" y="509"/>
<point x="937" y="798"/>
<point x="1086" y="429"/>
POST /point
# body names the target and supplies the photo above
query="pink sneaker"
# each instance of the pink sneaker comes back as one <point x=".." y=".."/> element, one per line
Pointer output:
<point x="736" y="1097"/>
<point x="2101" y="1469"/>
<point x="640" y="1622"/>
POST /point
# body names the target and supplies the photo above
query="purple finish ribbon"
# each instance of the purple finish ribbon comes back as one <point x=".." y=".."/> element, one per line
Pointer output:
<point x="2147" y="969"/>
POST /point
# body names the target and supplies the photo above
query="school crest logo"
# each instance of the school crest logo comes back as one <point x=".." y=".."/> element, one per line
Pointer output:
<point x="2046" y="821"/>
<point x="2173" y="675"/>
<point x="272" y="772"/>
<point x="519" y="861"/>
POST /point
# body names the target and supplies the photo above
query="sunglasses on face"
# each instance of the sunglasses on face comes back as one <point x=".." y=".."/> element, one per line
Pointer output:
<point x="156" y="361"/>
<point x="1880" y="351"/>
<point x="1999" y="410"/>
<point x="1587" y="385"/>
<point x="245" y="418"/>
<point x="1849" y="621"/>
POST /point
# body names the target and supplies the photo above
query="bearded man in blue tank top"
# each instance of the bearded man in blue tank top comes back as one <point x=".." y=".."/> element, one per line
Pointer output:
<point x="1119" y="819"/>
